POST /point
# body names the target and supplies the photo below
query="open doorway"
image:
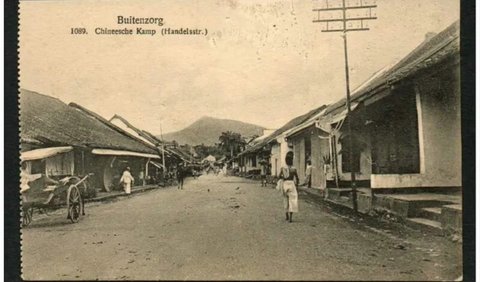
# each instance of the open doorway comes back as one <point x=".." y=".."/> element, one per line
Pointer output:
<point x="394" y="133"/>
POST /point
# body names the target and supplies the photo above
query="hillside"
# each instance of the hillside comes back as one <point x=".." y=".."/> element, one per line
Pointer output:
<point x="206" y="130"/>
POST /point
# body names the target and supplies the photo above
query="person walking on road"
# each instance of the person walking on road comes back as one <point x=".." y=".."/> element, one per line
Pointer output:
<point x="180" y="175"/>
<point x="290" y="179"/>
<point x="263" y="174"/>
<point x="127" y="180"/>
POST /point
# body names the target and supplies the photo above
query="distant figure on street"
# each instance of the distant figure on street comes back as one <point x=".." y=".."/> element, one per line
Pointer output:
<point x="180" y="175"/>
<point x="263" y="174"/>
<point x="224" y="170"/>
<point x="127" y="180"/>
<point x="308" y="174"/>
<point x="290" y="178"/>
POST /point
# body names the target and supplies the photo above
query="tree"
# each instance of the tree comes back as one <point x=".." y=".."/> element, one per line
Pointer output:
<point x="204" y="150"/>
<point x="231" y="142"/>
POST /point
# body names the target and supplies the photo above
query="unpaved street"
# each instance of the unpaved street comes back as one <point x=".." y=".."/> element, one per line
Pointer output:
<point x="226" y="228"/>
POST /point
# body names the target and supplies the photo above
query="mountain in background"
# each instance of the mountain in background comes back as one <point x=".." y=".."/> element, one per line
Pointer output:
<point x="206" y="131"/>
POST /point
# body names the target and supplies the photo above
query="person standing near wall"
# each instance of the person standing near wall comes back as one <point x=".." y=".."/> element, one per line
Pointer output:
<point x="141" y="177"/>
<point x="263" y="174"/>
<point x="308" y="174"/>
<point x="127" y="180"/>
<point x="290" y="179"/>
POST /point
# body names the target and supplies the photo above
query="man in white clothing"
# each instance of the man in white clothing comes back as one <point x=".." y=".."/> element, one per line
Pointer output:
<point x="127" y="180"/>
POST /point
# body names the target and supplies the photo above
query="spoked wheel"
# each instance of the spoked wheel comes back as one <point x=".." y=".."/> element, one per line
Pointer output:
<point x="27" y="215"/>
<point x="74" y="204"/>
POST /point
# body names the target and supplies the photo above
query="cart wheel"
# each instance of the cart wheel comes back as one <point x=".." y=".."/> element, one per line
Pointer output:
<point x="27" y="215"/>
<point x="74" y="204"/>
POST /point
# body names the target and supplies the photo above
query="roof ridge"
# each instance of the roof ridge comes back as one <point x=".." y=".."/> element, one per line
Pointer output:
<point x="153" y="136"/>
<point x="127" y="123"/>
<point x="426" y="42"/>
<point x="108" y="123"/>
<point x="404" y="62"/>
<point x="41" y="94"/>
<point x="145" y="134"/>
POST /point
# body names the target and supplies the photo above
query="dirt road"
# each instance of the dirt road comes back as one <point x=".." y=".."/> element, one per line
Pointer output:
<point x="226" y="228"/>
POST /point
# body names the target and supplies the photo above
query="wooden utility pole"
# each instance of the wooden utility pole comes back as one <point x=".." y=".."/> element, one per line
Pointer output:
<point x="163" y="154"/>
<point x="331" y="10"/>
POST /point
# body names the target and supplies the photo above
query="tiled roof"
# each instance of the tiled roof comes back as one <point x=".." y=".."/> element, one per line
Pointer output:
<point x="289" y="125"/>
<point x="440" y="47"/>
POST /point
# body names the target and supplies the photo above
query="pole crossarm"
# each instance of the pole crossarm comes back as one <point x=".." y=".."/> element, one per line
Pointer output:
<point x="347" y="8"/>
<point x="345" y="30"/>
<point x="344" y="20"/>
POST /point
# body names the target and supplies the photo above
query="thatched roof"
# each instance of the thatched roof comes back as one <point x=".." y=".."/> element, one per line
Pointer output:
<point x="47" y="121"/>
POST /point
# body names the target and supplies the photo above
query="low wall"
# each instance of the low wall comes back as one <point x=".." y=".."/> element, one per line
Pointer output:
<point x="409" y="180"/>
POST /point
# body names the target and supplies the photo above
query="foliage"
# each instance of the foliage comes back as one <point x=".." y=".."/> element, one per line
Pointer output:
<point x="326" y="159"/>
<point x="231" y="143"/>
<point x="204" y="151"/>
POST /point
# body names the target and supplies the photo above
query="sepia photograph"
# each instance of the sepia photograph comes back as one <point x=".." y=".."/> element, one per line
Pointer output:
<point x="228" y="140"/>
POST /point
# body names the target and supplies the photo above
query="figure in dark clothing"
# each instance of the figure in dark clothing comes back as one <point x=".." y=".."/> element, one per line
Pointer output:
<point x="263" y="174"/>
<point x="308" y="174"/>
<point x="180" y="176"/>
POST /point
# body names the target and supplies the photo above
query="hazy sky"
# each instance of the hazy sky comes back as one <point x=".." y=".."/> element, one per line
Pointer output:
<point x="263" y="62"/>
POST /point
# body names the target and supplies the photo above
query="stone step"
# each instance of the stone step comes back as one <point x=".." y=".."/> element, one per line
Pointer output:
<point x="433" y="213"/>
<point x="410" y="206"/>
<point x="428" y="225"/>
<point x="416" y="207"/>
<point x="452" y="217"/>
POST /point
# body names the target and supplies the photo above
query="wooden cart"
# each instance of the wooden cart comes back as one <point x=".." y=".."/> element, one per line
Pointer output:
<point x="68" y="192"/>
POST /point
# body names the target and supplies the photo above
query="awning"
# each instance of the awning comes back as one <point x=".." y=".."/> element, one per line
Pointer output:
<point x="179" y="155"/>
<point x="109" y="152"/>
<point x="312" y="121"/>
<point x="166" y="151"/>
<point x="323" y="134"/>
<point x="323" y="126"/>
<point x="341" y="116"/>
<point x="325" y="123"/>
<point x="324" y="131"/>
<point x="44" y="153"/>
<point x="160" y="166"/>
